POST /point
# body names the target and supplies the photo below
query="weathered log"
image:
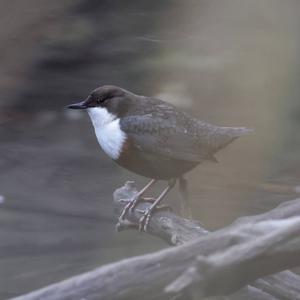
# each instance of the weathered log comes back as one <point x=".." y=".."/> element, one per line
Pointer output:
<point x="256" y="257"/>
<point x="155" y="275"/>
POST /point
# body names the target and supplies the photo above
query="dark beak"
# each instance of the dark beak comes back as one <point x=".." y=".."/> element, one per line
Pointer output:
<point x="80" y="105"/>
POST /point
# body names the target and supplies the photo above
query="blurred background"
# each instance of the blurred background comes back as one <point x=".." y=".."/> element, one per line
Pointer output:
<point x="232" y="63"/>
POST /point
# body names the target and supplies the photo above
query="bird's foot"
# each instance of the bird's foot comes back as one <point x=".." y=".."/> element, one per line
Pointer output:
<point x="129" y="207"/>
<point x="131" y="204"/>
<point x="145" y="219"/>
<point x="147" y="214"/>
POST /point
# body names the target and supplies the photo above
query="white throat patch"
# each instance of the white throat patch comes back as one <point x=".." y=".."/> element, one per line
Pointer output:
<point x="107" y="128"/>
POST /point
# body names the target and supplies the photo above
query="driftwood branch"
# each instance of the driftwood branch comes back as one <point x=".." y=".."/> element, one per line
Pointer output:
<point x="211" y="264"/>
<point x="164" y="224"/>
<point x="266" y="254"/>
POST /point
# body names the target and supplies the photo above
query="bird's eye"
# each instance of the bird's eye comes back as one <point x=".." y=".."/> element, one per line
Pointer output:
<point x="100" y="100"/>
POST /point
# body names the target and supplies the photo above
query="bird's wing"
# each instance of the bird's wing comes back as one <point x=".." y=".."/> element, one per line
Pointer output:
<point x="168" y="136"/>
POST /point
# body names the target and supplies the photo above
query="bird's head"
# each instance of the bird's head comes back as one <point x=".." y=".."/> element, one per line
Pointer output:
<point x="112" y="98"/>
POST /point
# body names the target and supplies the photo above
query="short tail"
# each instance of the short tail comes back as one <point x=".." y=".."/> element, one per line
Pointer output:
<point x="225" y="135"/>
<point x="235" y="132"/>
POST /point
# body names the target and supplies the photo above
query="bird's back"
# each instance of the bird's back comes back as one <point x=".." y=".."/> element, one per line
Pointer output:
<point x="161" y="128"/>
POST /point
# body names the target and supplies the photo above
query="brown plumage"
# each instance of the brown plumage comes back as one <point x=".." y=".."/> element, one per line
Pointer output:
<point x="156" y="140"/>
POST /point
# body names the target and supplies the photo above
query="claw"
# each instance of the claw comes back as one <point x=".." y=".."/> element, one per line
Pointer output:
<point x="118" y="227"/>
<point x="124" y="211"/>
<point x="141" y="224"/>
<point x="144" y="220"/>
<point x="129" y="207"/>
<point x="147" y="214"/>
<point x="133" y="203"/>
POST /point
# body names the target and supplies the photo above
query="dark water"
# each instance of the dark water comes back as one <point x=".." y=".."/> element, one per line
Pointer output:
<point x="228" y="63"/>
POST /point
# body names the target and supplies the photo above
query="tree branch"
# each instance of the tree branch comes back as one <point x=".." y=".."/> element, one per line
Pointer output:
<point x="210" y="264"/>
<point x="266" y="254"/>
<point x="164" y="224"/>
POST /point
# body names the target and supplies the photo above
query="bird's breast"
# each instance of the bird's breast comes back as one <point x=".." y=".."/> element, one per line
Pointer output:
<point x="108" y="132"/>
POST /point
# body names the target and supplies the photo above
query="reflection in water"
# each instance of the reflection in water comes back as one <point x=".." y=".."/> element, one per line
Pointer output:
<point x="231" y="63"/>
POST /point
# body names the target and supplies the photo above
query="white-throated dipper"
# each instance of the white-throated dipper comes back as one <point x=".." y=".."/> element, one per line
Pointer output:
<point x="152" y="138"/>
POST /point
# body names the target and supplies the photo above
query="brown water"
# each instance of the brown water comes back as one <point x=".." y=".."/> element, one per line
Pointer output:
<point x="228" y="63"/>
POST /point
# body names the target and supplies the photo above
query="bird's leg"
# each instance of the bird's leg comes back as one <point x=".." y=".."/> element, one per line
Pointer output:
<point x="135" y="200"/>
<point x="184" y="195"/>
<point x="144" y="221"/>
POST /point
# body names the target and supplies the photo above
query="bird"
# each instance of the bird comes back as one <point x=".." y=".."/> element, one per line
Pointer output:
<point x="154" y="139"/>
